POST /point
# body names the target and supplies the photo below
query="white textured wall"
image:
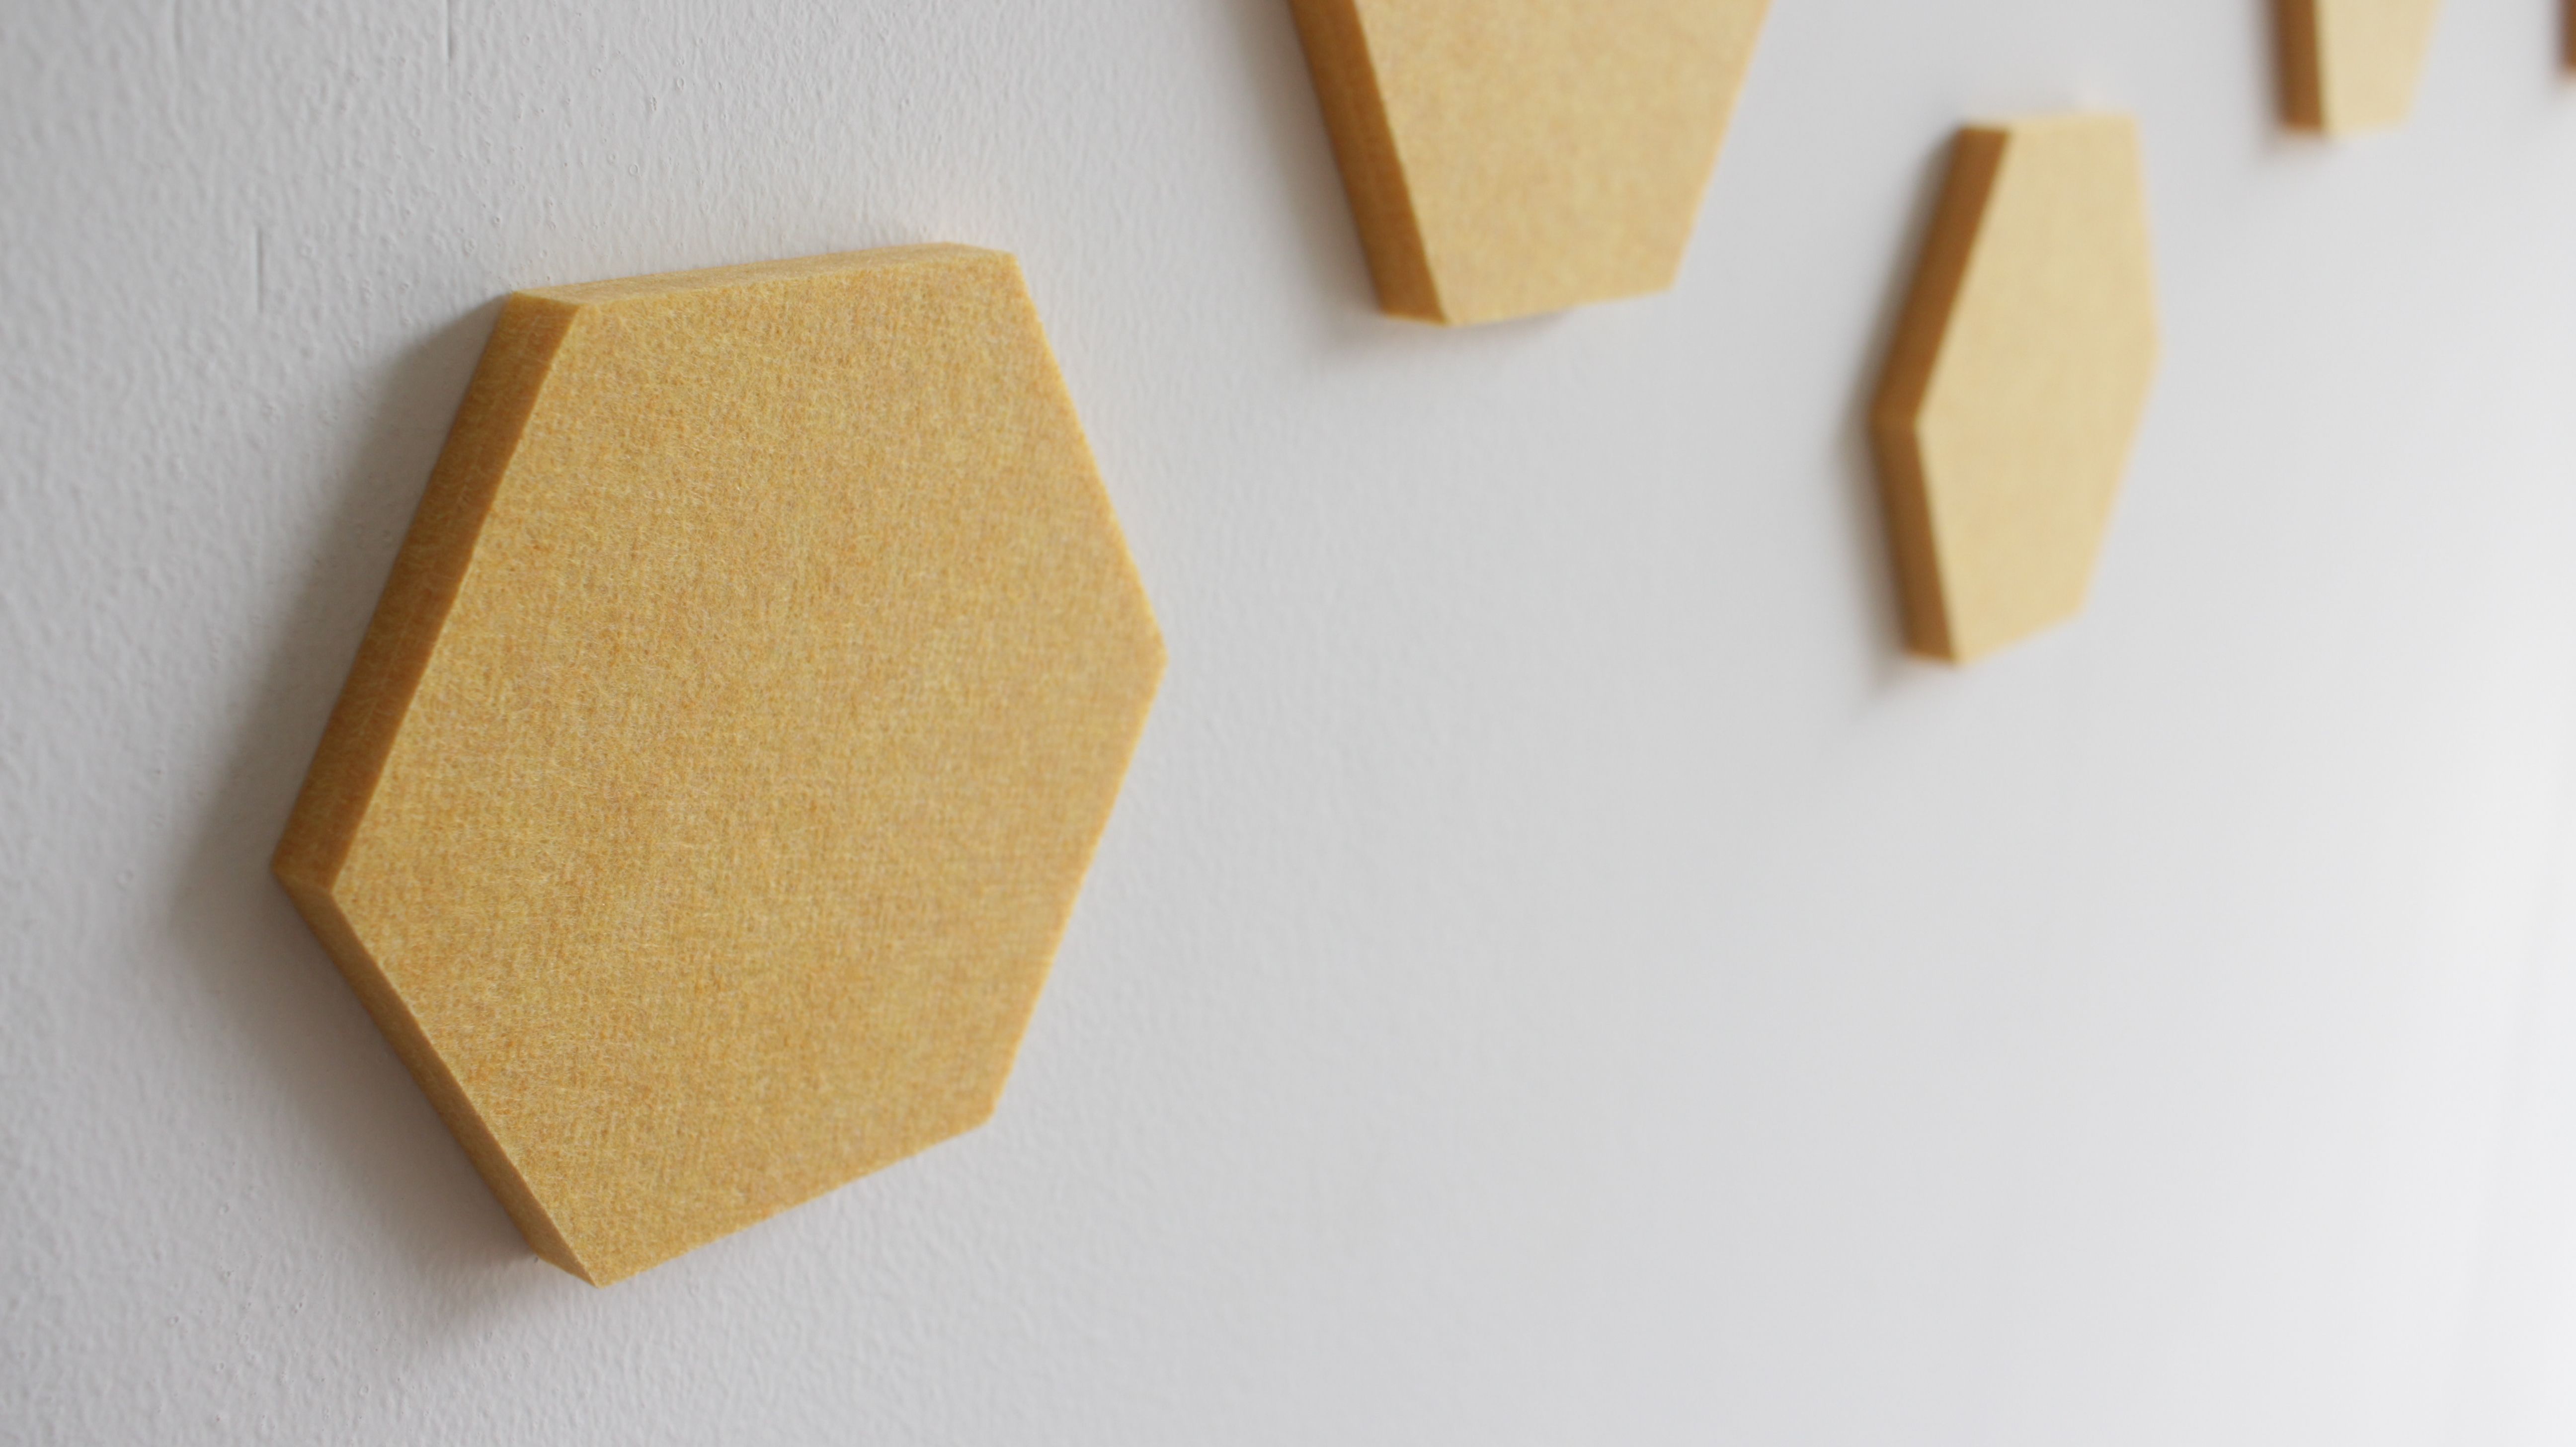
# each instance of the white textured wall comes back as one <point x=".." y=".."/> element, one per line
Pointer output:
<point x="1557" y="974"/>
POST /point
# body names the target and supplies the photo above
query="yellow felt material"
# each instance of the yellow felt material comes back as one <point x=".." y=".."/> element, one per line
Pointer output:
<point x="2352" y="65"/>
<point x="718" y="773"/>
<point x="2018" y="378"/>
<point x="1505" y="157"/>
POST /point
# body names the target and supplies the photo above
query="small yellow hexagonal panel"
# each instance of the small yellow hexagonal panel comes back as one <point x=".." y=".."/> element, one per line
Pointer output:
<point x="1505" y="157"/>
<point x="718" y="773"/>
<point x="2018" y="379"/>
<point x="2352" y="65"/>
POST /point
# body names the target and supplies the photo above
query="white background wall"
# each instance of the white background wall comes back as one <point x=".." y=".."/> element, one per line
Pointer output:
<point x="1557" y="973"/>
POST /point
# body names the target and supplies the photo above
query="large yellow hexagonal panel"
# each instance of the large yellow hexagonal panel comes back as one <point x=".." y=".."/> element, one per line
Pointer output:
<point x="1505" y="157"/>
<point x="719" y="771"/>
<point x="2352" y="65"/>
<point x="2018" y="379"/>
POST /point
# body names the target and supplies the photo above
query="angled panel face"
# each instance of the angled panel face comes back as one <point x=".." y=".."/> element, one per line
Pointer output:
<point x="718" y="774"/>
<point x="2018" y="379"/>
<point x="2352" y="65"/>
<point x="1506" y="157"/>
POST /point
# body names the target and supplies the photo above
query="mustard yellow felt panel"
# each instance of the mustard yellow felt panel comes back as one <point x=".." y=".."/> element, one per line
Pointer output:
<point x="2018" y="378"/>
<point x="717" y="775"/>
<point x="1505" y="157"/>
<point x="2352" y="65"/>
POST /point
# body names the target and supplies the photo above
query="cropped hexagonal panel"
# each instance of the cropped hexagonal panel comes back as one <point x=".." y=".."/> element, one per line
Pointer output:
<point x="2018" y="379"/>
<point x="2352" y="65"/>
<point x="1505" y="157"/>
<point x="717" y="776"/>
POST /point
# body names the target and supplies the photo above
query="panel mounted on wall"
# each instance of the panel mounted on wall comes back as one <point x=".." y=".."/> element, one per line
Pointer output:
<point x="2352" y="65"/>
<point x="1506" y="157"/>
<point x="718" y="773"/>
<point x="2018" y="378"/>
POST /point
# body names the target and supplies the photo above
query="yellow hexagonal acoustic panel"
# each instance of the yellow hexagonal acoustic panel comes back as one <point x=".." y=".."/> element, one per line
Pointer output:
<point x="1505" y="157"/>
<point x="2017" y="381"/>
<point x="2352" y="65"/>
<point x="718" y="773"/>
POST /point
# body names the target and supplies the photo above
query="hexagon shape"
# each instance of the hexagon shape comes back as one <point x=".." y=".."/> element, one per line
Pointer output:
<point x="1505" y="157"/>
<point x="719" y="771"/>
<point x="2352" y="65"/>
<point x="2018" y="379"/>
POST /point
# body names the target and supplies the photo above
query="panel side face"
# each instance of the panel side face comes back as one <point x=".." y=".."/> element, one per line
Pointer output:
<point x="402" y="1030"/>
<point x="366" y="720"/>
<point x="1555" y="150"/>
<point x="1346" y="89"/>
<point x="736" y="818"/>
<point x="413" y="608"/>
<point x="1897" y="412"/>
<point x="2303" y="101"/>
<point x="2042" y="380"/>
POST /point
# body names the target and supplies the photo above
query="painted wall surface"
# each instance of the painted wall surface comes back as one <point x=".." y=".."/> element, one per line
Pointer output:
<point x="1557" y="974"/>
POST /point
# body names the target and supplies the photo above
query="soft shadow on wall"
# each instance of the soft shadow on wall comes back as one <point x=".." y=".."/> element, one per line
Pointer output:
<point x="269" y="977"/>
<point x="1310" y="184"/>
<point x="1866" y="502"/>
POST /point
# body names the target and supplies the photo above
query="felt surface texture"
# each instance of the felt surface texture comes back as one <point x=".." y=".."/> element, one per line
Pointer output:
<point x="2352" y="65"/>
<point x="1506" y="157"/>
<point x="719" y="771"/>
<point x="2018" y="380"/>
